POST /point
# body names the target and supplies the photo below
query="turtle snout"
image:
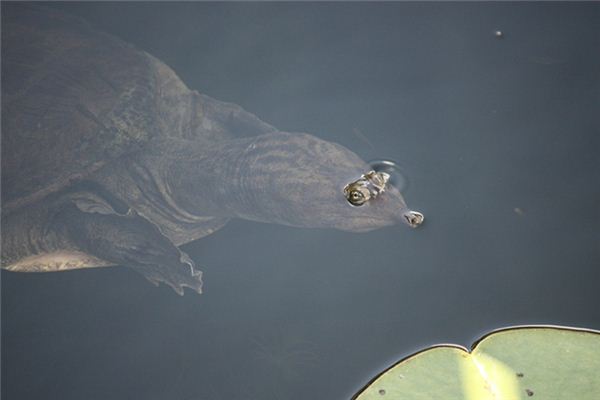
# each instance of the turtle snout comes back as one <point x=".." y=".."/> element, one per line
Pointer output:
<point x="414" y="219"/>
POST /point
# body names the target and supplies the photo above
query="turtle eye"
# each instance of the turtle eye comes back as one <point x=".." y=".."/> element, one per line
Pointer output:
<point x="356" y="197"/>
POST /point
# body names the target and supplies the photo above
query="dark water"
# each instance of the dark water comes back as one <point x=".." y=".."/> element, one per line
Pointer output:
<point x="499" y="138"/>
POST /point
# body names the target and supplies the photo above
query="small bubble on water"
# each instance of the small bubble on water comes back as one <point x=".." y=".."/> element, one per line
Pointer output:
<point x="397" y="178"/>
<point x="499" y="34"/>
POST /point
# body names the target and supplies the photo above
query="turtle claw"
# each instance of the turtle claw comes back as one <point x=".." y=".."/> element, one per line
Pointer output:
<point x="193" y="281"/>
<point x="153" y="281"/>
<point x="177" y="289"/>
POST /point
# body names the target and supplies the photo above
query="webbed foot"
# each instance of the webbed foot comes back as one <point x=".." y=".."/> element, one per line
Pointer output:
<point x="177" y="275"/>
<point x="130" y="240"/>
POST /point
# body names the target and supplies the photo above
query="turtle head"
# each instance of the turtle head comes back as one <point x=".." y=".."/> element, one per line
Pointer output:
<point x="300" y="180"/>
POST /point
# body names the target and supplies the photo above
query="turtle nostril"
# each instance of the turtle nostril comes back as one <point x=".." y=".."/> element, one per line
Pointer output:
<point x="413" y="218"/>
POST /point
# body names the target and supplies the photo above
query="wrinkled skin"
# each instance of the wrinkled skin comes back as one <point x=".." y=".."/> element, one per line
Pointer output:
<point x="283" y="178"/>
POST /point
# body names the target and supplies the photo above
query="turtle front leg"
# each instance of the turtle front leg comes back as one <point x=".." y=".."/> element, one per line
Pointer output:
<point x="132" y="241"/>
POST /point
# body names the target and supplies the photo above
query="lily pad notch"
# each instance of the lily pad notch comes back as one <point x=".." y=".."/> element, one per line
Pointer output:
<point x="514" y="363"/>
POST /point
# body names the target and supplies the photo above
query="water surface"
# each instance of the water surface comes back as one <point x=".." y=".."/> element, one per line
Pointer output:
<point x="498" y="136"/>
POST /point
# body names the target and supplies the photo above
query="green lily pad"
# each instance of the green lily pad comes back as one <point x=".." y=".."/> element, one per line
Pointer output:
<point x="540" y="362"/>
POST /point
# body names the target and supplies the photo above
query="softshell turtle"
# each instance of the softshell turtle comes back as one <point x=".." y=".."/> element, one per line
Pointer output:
<point x="109" y="159"/>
